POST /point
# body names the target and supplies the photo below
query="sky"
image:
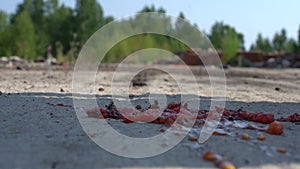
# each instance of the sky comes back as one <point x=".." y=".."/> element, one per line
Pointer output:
<point x="248" y="17"/>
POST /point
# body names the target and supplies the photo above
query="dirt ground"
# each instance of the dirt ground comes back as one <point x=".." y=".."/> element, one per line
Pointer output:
<point x="36" y="134"/>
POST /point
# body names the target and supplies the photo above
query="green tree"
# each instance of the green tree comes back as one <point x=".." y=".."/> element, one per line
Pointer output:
<point x="24" y="36"/>
<point x="186" y="30"/>
<point x="108" y="19"/>
<point x="291" y="46"/>
<point x="219" y="31"/>
<point x="5" y="34"/>
<point x="25" y="6"/>
<point x="181" y="15"/>
<point x="298" y="44"/>
<point x="89" y="18"/>
<point x="299" y="36"/>
<point x="227" y="39"/>
<point x="262" y="44"/>
<point x="229" y="45"/>
<point x="36" y="11"/>
<point x="280" y="40"/>
<point x="40" y="26"/>
<point x="50" y="7"/>
<point x="61" y="27"/>
<point x="3" y="21"/>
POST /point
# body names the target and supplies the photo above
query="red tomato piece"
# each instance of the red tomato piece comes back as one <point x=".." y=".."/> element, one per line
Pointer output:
<point x="275" y="128"/>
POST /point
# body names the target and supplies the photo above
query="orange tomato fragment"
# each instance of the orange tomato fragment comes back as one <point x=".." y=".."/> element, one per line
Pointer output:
<point x="191" y="138"/>
<point x="261" y="137"/>
<point x="209" y="156"/>
<point x="226" y="165"/>
<point x="275" y="128"/>
<point x="218" y="160"/>
<point x="245" y="137"/>
<point x="281" y="150"/>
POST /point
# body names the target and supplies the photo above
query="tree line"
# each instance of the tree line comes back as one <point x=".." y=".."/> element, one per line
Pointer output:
<point x="41" y="26"/>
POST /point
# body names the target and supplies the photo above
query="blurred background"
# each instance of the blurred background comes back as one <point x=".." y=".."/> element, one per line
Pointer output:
<point x="254" y="33"/>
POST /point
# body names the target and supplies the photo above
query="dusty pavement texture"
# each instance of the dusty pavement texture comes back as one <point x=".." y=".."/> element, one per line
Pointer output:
<point x="249" y="85"/>
<point x="36" y="134"/>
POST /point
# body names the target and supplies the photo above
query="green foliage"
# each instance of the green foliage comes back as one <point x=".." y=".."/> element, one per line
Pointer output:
<point x="153" y="9"/>
<point x="24" y="36"/>
<point x="262" y="44"/>
<point x="5" y="35"/>
<point x="226" y="38"/>
<point x="3" y="21"/>
<point x="292" y="46"/>
<point x="280" y="42"/>
<point x="146" y="40"/>
<point x="142" y="41"/>
<point x="36" y="11"/>
<point x="60" y="27"/>
<point x="219" y="30"/>
<point x="299" y="36"/>
<point x="89" y="18"/>
<point x="217" y="33"/>
<point x="229" y="45"/>
<point x="298" y="44"/>
<point x="36" y="24"/>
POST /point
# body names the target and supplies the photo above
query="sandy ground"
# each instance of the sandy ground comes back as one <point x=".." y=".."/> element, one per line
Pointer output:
<point x="35" y="134"/>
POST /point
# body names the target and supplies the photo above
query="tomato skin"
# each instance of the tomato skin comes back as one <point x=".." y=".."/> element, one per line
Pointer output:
<point x="261" y="137"/>
<point x="275" y="128"/>
<point x="292" y="118"/>
<point x="209" y="156"/>
<point x="125" y="120"/>
<point x="202" y="116"/>
<point x="281" y="150"/>
<point x="218" y="160"/>
<point x="185" y="111"/>
<point x="174" y="107"/>
<point x="219" y="109"/>
<point x="104" y="113"/>
<point x="261" y="117"/>
<point x="245" y="137"/>
<point x="226" y="165"/>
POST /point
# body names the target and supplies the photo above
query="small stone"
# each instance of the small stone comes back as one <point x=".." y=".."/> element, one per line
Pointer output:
<point x="194" y="139"/>
<point x="162" y="130"/>
<point x="209" y="156"/>
<point x="101" y="89"/>
<point x="261" y="137"/>
<point x="53" y="165"/>
<point x="62" y="90"/>
<point x="138" y="107"/>
<point x="245" y="137"/>
<point x="226" y="165"/>
<point x="281" y="150"/>
<point x="277" y="88"/>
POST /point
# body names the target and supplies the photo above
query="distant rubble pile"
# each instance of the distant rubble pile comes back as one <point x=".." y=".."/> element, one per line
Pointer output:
<point x="245" y="59"/>
<point x="16" y="62"/>
<point x="190" y="57"/>
<point x="12" y="61"/>
<point x="270" y="60"/>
